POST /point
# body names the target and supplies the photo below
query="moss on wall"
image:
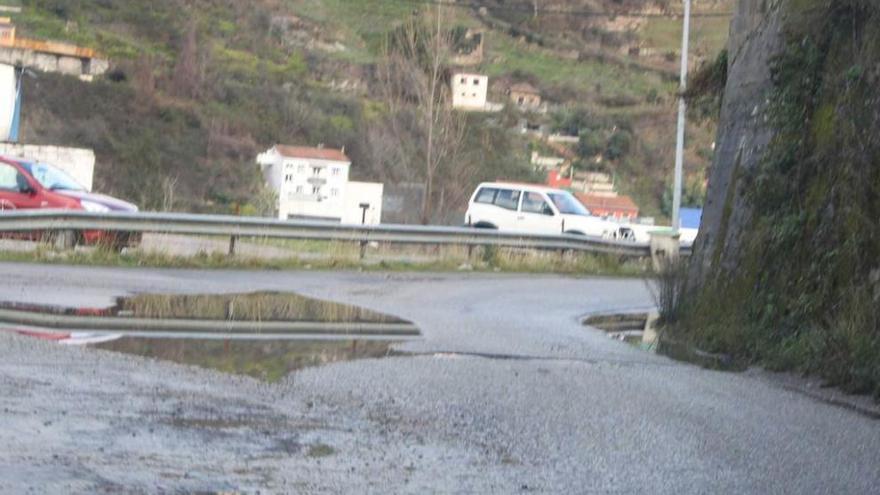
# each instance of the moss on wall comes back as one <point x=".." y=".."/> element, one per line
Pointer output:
<point x="805" y="295"/>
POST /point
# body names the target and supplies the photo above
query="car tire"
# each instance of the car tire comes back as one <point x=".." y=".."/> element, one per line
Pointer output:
<point x="63" y="240"/>
<point x="118" y="241"/>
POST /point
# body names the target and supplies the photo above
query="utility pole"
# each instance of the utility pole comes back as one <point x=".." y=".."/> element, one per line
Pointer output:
<point x="682" y="110"/>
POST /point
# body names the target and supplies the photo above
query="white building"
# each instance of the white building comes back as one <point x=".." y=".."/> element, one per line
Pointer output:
<point x="470" y="91"/>
<point x="312" y="184"/>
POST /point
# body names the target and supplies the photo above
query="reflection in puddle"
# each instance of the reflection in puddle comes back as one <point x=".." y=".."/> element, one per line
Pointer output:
<point x="266" y="335"/>
<point x="266" y="360"/>
<point x="258" y="306"/>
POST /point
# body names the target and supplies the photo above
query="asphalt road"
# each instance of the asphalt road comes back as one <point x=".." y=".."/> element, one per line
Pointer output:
<point x="506" y="393"/>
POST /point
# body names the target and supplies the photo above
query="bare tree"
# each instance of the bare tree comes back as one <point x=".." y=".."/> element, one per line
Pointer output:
<point x="169" y="190"/>
<point x="144" y="76"/>
<point x="413" y="82"/>
<point x="189" y="70"/>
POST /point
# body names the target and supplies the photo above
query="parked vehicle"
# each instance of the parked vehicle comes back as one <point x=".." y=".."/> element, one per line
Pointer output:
<point x="30" y="185"/>
<point x="535" y="210"/>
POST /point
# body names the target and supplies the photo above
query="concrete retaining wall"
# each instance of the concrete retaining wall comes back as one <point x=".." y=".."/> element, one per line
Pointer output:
<point x="85" y="68"/>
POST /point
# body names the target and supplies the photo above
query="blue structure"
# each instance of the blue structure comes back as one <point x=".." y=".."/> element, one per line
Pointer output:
<point x="16" y="114"/>
<point x="691" y="218"/>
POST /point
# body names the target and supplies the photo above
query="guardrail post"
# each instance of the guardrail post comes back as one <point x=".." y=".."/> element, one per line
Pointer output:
<point x="563" y="254"/>
<point x="232" y="240"/>
<point x="665" y="247"/>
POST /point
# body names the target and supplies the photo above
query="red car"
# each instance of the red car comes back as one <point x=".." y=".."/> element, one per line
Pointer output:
<point x="31" y="185"/>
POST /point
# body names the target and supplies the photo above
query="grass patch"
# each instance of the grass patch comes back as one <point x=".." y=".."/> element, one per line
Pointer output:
<point x="709" y="35"/>
<point x="445" y="259"/>
<point x="585" y="75"/>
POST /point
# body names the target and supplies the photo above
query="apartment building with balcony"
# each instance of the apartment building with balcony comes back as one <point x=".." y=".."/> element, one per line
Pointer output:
<point x="312" y="183"/>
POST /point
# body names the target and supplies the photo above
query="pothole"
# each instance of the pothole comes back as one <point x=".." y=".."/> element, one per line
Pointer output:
<point x="266" y="360"/>
<point x="636" y="329"/>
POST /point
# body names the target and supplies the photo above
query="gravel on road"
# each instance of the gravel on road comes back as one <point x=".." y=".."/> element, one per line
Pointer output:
<point x="506" y="393"/>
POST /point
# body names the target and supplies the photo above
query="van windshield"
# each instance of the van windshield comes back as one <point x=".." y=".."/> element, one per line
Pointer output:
<point x="568" y="204"/>
<point x="52" y="178"/>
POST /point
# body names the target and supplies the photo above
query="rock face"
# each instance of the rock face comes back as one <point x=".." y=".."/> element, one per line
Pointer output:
<point x="743" y="134"/>
<point x="785" y="270"/>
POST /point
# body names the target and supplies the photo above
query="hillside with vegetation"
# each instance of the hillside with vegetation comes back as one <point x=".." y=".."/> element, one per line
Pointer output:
<point x="198" y="88"/>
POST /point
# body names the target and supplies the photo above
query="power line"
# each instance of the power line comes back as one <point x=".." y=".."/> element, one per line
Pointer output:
<point x="525" y="9"/>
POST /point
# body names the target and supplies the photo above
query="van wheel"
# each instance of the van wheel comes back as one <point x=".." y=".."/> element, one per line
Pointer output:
<point x="485" y="225"/>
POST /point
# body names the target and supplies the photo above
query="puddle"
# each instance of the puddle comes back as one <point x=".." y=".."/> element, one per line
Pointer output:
<point x="252" y="315"/>
<point x="639" y="330"/>
<point x="258" y="306"/>
<point x="632" y="328"/>
<point x="266" y="335"/>
<point x="266" y="360"/>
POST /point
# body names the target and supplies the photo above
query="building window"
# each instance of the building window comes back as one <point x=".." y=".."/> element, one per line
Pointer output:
<point x="316" y="171"/>
<point x="300" y="169"/>
<point x="335" y="171"/>
<point x="288" y="178"/>
<point x="334" y="192"/>
<point x="476" y="82"/>
<point x="316" y="190"/>
<point x="464" y="80"/>
<point x="299" y="189"/>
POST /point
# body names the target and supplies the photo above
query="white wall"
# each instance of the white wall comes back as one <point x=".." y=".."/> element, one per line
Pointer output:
<point x="7" y="99"/>
<point x="363" y="192"/>
<point x="78" y="162"/>
<point x="469" y="91"/>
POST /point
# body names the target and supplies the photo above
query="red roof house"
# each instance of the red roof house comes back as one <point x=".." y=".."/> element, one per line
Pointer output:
<point x="620" y="207"/>
<point x="555" y="179"/>
<point x="319" y="153"/>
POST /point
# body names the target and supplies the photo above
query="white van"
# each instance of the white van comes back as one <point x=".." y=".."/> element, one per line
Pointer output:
<point x="534" y="210"/>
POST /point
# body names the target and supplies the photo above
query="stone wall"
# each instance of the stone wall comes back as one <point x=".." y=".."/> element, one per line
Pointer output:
<point x="743" y="134"/>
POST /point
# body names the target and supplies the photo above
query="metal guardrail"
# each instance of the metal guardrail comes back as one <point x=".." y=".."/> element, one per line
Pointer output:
<point x="236" y="227"/>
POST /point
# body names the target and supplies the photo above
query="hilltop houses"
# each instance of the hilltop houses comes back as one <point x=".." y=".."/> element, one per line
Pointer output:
<point x="469" y="91"/>
<point x="525" y="96"/>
